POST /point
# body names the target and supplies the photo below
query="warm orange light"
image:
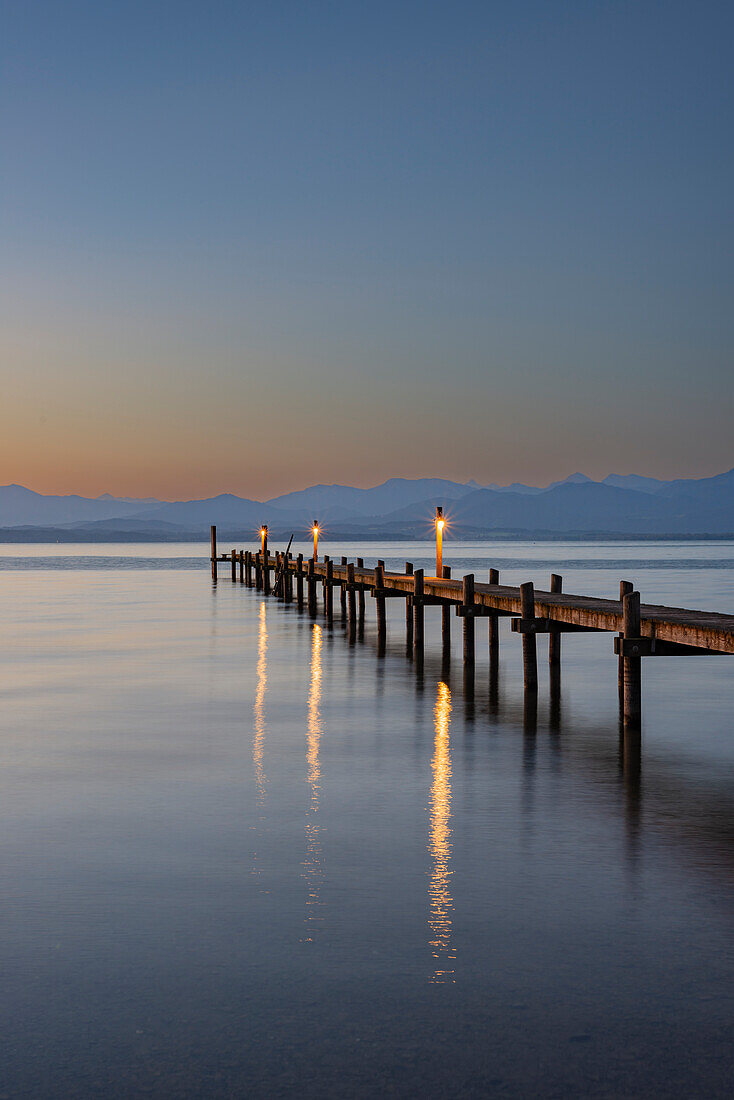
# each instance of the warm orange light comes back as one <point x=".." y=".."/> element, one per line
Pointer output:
<point x="263" y="536"/>
<point x="315" y="530"/>
<point x="440" y="521"/>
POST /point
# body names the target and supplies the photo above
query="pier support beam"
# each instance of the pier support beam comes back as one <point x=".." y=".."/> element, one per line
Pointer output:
<point x="258" y="570"/>
<point x="311" y="588"/>
<point x="467" y="601"/>
<point x="242" y="566"/>
<point x="554" y="639"/>
<point x="624" y="588"/>
<point x="632" y="665"/>
<point x="214" y="554"/>
<point x="351" y="599"/>
<point x="409" y="612"/>
<point x="343" y="595"/>
<point x="418" y="613"/>
<point x="380" y="606"/>
<point x="234" y="566"/>
<point x="329" y="590"/>
<point x="266" y="566"/>
<point x="299" y="581"/>
<point x="446" y="618"/>
<point x="360" y="594"/>
<point x="529" y="647"/>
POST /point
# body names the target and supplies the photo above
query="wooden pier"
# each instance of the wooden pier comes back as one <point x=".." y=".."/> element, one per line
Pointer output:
<point x="641" y="630"/>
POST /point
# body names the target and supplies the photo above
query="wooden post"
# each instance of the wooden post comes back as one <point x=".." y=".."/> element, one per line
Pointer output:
<point x="494" y="649"/>
<point x="234" y="566"/>
<point x="446" y="616"/>
<point x="242" y="566"/>
<point x="494" y="631"/>
<point x="418" y="611"/>
<point x="632" y="695"/>
<point x="214" y="553"/>
<point x="351" y="595"/>
<point x="624" y="588"/>
<point x="360" y="594"/>
<point x="467" y="599"/>
<point x="248" y="568"/>
<point x="529" y="648"/>
<point x="288" y="578"/>
<point x="311" y="588"/>
<point x="299" y="581"/>
<point x="258" y="570"/>
<point x="343" y="594"/>
<point x="380" y="601"/>
<point x="266" y="564"/>
<point x="439" y="541"/>
<point x="325" y="584"/>
<point x="554" y="640"/>
<point x="329" y="589"/>
<point x="277" y="578"/>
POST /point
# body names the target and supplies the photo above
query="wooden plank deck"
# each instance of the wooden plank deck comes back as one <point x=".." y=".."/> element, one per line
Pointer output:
<point x="682" y="626"/>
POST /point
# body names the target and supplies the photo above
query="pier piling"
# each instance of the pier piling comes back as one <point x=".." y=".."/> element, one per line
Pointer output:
<point x="632" y="664"/>
<point x="529" y="646"/>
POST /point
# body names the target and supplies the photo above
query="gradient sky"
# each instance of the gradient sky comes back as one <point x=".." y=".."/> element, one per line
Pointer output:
<point x="249" y="247"/>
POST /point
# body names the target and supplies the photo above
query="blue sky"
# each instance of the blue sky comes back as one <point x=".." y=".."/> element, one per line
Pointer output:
<point x="254" y="246"/>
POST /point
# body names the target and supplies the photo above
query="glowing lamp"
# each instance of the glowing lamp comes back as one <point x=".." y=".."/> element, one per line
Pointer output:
<point x="440" y="524"/>
<point x="263" y="537"/>
<point x="315" y="540"/>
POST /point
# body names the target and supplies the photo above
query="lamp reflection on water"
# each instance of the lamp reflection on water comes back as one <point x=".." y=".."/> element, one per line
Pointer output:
<point x="313" y="870"/>
<point x="258" y="741"/>
<point x="439" y="844"/>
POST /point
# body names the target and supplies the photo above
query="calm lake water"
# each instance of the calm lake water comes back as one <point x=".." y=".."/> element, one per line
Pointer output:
<point x="244" y="858"/>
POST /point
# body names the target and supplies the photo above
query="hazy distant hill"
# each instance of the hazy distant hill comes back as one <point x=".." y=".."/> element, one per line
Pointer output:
<point x="628" y="504"/>
<point x="342" y="501"/>
<point x="702" y="507"/>
<point x="19" y="506"/>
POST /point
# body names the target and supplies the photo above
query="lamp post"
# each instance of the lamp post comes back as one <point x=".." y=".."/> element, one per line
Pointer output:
<point x="315" y="540"/>
<point x="440" y="524"/>
<point x="264" y="539"/>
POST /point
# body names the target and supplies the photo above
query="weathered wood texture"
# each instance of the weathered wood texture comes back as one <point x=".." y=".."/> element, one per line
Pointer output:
<point x="702" y="629"/>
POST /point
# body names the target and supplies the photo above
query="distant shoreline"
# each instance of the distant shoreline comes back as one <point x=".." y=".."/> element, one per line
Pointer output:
<point x="50" y="536"/>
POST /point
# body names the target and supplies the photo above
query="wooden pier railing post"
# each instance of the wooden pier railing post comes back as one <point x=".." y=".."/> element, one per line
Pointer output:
<point x="380" y="601"/>
<point x="258" y="570"/>
<point x="329" y="590"/>
<point x="554" y="639"/>
<point x="234" y="566"/>
<point x="467" y="600"/>
<point x="360" y="594"/>
<point x="214" y="553"/>
<point x="632" y="695"/>
<point x="624" y="588"/>
<point x="248" y="568"/>
<point x="242" y="566"/>
<point x="494" y="649"/>
<point x="299" y="581"/>
<point x="529" y="647"/>
<point x="446" y="616"/>
<point x="325" y="583"/>
<point x="494" y="628"/>
<point x="266" y="565"/>
<point x="343" y="594"/>
<point x="288" y="577"/>
<point x="418" y="612"/>
<point x="351" y="595"/>
<point x="311" y="583"/>
<point x="409" y="609"/>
